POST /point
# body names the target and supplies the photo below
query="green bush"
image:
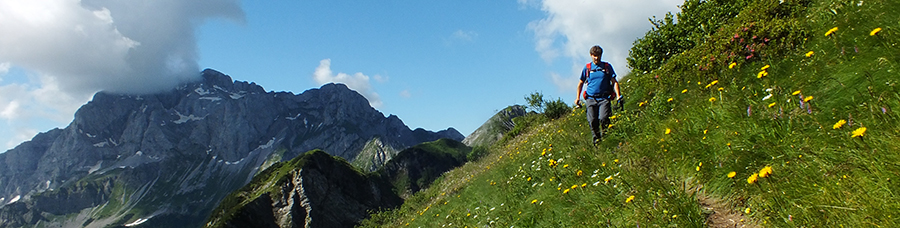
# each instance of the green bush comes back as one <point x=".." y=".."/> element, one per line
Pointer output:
<point x="556" y="109"/>
<point x="674" y="34"/>
<point x="476" y="153"/>
<point x="551" y="109"/>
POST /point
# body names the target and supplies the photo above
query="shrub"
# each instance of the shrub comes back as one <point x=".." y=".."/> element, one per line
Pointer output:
<point x="476" y="153"/>
<point x="556" y="109"/>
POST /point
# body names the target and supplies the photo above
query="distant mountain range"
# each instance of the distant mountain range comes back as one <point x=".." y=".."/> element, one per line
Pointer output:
<point x="167" y="159"/>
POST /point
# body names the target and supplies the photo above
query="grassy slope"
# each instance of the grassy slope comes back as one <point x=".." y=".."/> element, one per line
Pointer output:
<point x="666" y="163"/>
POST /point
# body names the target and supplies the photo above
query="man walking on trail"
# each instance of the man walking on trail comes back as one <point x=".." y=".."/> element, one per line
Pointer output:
<point x="602" y="86"/>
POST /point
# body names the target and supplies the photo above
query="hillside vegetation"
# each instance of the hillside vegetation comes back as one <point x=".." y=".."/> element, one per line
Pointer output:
<point x="743" y="113"/>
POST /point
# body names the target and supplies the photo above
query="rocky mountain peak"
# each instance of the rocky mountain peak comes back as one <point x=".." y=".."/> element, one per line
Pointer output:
<point x="184" y="149"/>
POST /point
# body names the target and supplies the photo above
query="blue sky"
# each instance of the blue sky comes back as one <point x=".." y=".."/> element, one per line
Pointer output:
<point x="435" y="64"/>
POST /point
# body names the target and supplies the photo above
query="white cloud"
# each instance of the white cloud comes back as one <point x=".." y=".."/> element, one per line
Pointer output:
<point x="405" y="94"/>
<point x="135" y="46"/>
<point x="572" y="27"/>
<point x="357" y="81"/>
<point x="4" y="68"/>
<point x="465" y="35"/>
<point x="73" y="48"/>
<point x="26" y="108"/>
<point x="565" y="83"/>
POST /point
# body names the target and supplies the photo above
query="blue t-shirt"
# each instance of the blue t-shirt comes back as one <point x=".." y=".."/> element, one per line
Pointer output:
<point x="598" y="79"/>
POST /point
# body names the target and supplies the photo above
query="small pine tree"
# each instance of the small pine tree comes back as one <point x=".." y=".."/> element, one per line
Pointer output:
<point x="535" y="101"/>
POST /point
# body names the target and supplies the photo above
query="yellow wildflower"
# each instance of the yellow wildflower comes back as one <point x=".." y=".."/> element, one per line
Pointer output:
<point x="839" y="124"/>
<point x="809" y="54"/>
<point x="566" y="166"/>
<point x="609" y="178"/>
<point x="670" y="99"/>
<point x="574" y="186"/>
<point x="642" y="103"/>
<point x="747" y="211"/>
<point x="712" y="99"/>
<point x="684" y="91"/>
<point x="807" y="99"/>
<point x="566" y="191"/>
<point x="584" y="185"/>
<point x="712" y="83"/>
<point x="752" y="178"/>
<point x="764" y="67"/>
<point x="765" y="171"/>
<point x="875" y="32"/>
<point x="720" y="88"/>
<point x="630" y="198"/>
<point x="795" y="93"/>
<point x="772" y="104"/>
<point x="731" y="66"/>
<point x="529" y="179"/>
<point x="533" y="201"/>
<point x="668" y="131"/>
<point x="578" y="173"/>
<point x="617" y="160"/>
<point x="859" y="132"/>
<point x="830" y="31"/>
<point x="762" y="74"/>
<point x="731" y="174"/>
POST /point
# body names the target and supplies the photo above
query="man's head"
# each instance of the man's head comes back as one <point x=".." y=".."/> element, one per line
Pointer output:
<point x="596" y="53"/>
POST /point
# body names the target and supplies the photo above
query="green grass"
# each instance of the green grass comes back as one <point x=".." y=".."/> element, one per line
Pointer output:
<point x="674" y="156"/>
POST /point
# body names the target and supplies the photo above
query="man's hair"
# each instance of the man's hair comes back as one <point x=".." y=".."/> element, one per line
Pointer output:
<point x="596" y="50"/>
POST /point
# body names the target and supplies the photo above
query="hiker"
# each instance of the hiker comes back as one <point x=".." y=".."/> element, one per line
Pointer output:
<point x="601" y="88"/>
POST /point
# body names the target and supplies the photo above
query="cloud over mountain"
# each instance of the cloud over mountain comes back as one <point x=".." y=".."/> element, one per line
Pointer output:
<point x="358" y="81"/>
<point x="73" y="48"/>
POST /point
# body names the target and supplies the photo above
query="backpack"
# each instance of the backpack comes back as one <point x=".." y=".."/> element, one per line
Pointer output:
<point x="605" y="68"/>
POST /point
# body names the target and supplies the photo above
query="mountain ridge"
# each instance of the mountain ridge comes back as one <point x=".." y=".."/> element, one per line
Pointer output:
<point x="170" y="145"/>
<point x="317" y="190"/>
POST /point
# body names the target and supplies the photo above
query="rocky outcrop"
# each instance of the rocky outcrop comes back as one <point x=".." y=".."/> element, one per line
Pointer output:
<point x="494" y="128"/>
<point x="317" y="190"/>
<point x="172" y="156"/>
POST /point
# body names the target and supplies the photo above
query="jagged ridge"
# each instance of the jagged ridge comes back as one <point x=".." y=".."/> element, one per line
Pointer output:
<point x="172" y="156"/>
<point x="318" y="190"/>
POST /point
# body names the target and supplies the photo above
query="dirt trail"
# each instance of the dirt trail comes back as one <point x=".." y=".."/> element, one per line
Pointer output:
<point x="721" y="215"/>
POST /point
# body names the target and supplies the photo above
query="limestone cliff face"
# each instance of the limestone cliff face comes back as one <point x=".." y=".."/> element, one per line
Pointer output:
<point x="167" y="159"/>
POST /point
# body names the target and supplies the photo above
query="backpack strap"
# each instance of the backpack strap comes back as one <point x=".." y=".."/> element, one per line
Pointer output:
<point x="588" y="72"/>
